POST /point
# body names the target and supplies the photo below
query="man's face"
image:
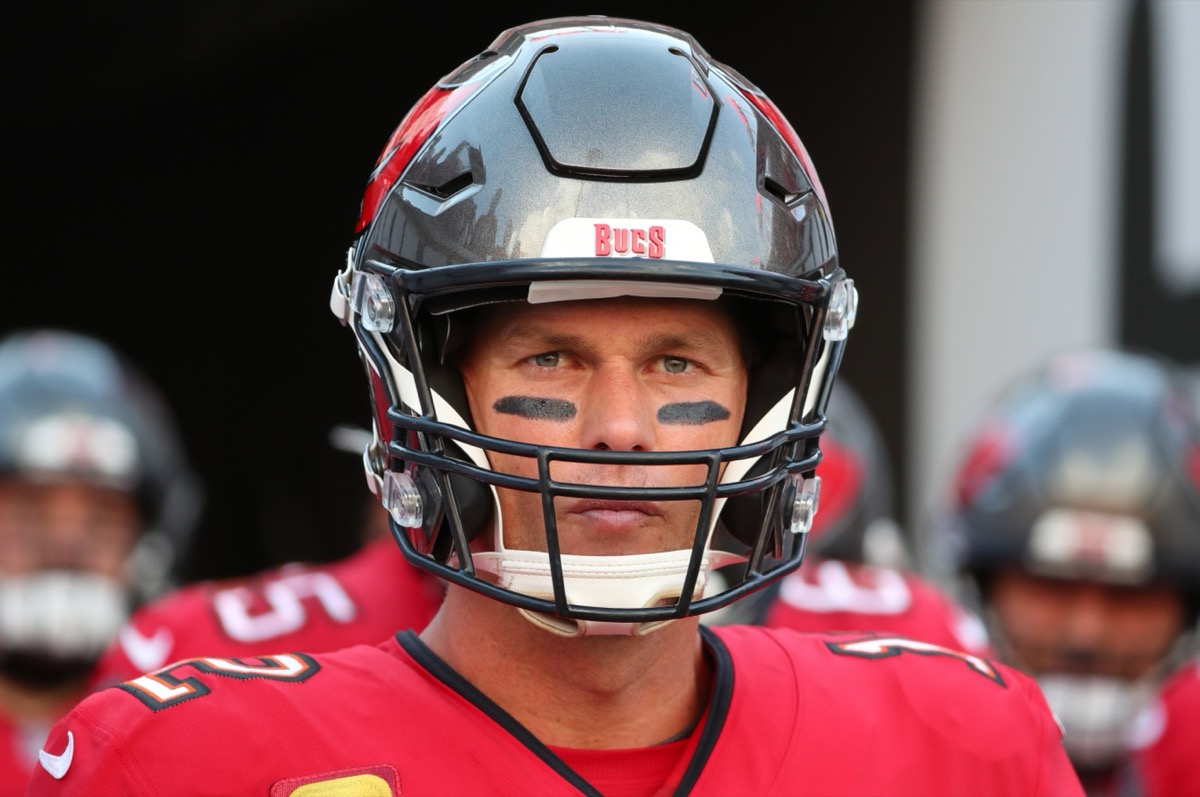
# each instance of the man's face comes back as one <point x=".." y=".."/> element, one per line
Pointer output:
<point x="1085" y="628"/>
<point x="65" y="526"/>
<point x="616" y="374"/>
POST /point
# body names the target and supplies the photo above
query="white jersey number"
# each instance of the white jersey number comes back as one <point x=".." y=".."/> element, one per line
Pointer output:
<point x="242" y="617"/>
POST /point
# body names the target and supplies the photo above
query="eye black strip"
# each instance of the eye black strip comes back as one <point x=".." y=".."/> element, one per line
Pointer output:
<point x="536" y="409"/>
<point x="692" y="413"/>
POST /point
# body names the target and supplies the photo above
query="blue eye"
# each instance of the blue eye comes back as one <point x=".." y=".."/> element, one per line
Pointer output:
<point x="546" y="359"/>
<point x="675" y="365"/>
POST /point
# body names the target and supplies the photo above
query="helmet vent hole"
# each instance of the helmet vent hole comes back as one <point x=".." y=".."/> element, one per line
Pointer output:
<point x="449" y="188"/>
<point x="778" y="191"/>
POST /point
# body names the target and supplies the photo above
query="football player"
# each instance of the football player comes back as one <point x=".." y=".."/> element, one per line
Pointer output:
<point x="597" y="298"/>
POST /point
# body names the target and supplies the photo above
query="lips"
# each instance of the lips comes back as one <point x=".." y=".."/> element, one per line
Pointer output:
<point x="598" y="505"/>
<point x="614" y="514"/>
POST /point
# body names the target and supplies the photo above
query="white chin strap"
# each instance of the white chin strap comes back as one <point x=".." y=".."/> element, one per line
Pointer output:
<point x="60" y="614"/>
<point x="1097" y="713"/>
<point x="632" y="581"/>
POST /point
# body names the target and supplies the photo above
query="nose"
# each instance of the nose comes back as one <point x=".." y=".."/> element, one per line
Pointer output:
<point x="1089" y="619"/>
<point x="64" y="542"/>
<point x="618" y="412"/>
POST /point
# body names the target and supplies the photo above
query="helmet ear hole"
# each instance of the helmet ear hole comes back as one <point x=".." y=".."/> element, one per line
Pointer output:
<point x="742" y="516"/>
<point x="473" y="502"/>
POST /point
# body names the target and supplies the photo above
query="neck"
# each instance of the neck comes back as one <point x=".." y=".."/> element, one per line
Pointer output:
<point x="590" y="692"/>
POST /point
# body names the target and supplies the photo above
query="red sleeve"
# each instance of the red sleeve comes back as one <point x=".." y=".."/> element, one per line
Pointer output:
<point x="854" y="714"/>
<point x="87" y="753"/>
<point x="356" y="721"/>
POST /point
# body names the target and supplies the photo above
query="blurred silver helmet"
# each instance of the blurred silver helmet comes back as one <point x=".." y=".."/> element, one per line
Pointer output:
<point x="73" y="409"/>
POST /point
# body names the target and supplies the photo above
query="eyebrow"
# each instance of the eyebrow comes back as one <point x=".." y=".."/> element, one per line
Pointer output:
<point x="530" y="334"/>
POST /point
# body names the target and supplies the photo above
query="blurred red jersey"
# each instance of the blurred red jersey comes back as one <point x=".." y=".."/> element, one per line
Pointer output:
<point x="833" y="595"/>
<point x="1165" y="762"/>
<point x="789" y="714"/>
<point x="365" y="597"/>
<point x="18" y="755"/>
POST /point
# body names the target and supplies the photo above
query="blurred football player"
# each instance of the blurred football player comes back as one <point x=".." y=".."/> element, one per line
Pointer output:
<point x="96" y="501"/>
<point x="308" y="606"/>
<point x="858" y="574"/>
<point x="1075" y="526"/>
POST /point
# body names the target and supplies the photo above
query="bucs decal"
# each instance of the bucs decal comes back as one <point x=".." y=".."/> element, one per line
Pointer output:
<point x="886" y="647"/>
<point x="652" y="239"/>
<point x="630" y="241"/>
<point x="166" y="687"/>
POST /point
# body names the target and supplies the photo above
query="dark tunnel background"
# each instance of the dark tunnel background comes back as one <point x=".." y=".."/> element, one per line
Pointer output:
<point x="181" y="179"/>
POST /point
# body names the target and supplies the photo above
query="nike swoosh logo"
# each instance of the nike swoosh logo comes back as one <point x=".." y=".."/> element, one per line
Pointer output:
<point x="146" y="653"/>
<point x="57" y="765"/>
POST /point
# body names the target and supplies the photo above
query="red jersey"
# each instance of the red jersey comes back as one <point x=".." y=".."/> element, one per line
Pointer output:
<point x="789" y="714"/>
<point x="833" y="595"/>
<point x="1165" y="761"/>
<point x="19" y="745"/>
<point x="365" y="597"/>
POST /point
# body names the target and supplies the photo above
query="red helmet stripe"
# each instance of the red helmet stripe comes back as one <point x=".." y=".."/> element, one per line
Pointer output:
<point x="989" y="454"/>
<point x="414" y="129"/>
<point x="768" y="109"/>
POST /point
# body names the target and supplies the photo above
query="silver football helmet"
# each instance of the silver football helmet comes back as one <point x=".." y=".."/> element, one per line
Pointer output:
<point x="582" y="158"/>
